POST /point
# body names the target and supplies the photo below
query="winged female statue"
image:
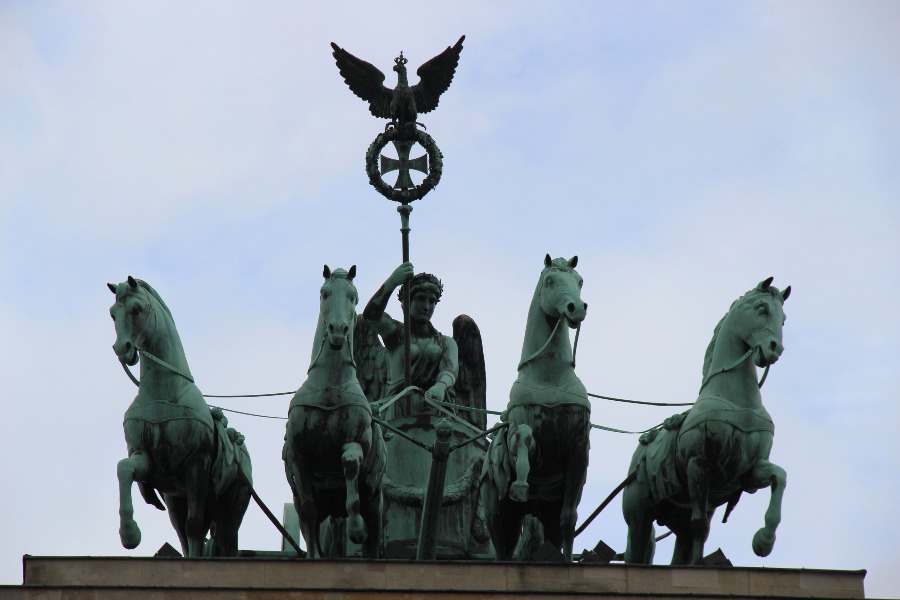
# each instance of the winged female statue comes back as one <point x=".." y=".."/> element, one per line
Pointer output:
<point x="451" y="373"/>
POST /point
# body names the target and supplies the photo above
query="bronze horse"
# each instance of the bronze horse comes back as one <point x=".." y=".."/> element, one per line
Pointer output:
<point x="718" y="449"/>
<point x="176" y="445"/>
<point x="334" y="452"/>
<point x="539" y="465"/>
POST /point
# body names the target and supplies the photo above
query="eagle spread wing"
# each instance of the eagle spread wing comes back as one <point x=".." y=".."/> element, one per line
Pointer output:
<point x="364" y="80"/>
<point x="435" y="77"/>
<point x="367" y="82"/>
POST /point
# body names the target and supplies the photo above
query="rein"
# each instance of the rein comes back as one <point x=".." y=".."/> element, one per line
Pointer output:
<point x="547" y="343"/>
<point x="734" y="365"/>
<point x="158" y="361"/>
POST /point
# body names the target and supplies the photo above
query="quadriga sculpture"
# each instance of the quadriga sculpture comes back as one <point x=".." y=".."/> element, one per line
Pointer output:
<point x="718" y="449"/>
<point x="539" y="464"/>
<point x="334" y="453"/>
<point x="176" y="445"/>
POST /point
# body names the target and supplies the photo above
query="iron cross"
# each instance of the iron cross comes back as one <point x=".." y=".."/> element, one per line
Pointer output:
<point x="403" y="164"/>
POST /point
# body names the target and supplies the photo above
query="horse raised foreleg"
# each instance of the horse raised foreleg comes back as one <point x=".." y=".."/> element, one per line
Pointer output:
<point x="134" y="468"/>
<point x="767" y="474"/>
<point x="351" y="459"/>
<point x="522" y="443"/>
<point x="698" y="488"/>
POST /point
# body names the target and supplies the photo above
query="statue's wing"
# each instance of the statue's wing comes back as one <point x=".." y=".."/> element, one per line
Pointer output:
<point x="436" y="76"/>
<point x="371" y="360"/>
<point x="365" y="80"/>
<point x="470" y="388"/>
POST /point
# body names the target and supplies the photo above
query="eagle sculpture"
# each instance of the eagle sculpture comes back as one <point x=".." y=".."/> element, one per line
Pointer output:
<point x="403" y="103"/>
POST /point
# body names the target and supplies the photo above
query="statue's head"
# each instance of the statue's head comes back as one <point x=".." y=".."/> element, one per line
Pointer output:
<point x="424" y="293"/>
<point x="423" y="282"/>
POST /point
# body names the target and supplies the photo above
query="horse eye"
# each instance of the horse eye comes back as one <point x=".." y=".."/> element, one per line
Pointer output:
<point x="549" y="282"/>
<point x="580" y="283"/>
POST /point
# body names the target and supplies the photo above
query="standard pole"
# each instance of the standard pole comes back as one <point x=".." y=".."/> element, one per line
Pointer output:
<point x="404" y="210"/>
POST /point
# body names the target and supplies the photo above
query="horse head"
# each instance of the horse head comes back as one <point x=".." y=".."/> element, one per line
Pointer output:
<point x="757" y="318"/>
<point x="135" y="319"/>
<point x="560" y="291"/>
<point x="337" y="306"/>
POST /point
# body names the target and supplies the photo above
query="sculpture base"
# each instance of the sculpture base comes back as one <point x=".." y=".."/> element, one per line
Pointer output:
<point x="66" y="578"/>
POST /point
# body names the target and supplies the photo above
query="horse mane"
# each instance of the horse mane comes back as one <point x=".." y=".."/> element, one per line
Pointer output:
<point x="707" y="358"/>
<point x="149" y="289"/>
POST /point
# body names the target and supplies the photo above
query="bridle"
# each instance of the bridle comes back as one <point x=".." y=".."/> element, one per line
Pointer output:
<point x="559" y="320"/>
<point x="351" y="325"/>
<point x="144" y="354"/>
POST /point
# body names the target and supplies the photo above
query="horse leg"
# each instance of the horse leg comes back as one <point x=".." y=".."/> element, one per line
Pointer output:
<point x="196" y="485"/>
<point x="767" y="474"/>
<point x="228" y="515"/>
<point x="640" y="546"/>
<point x="522" y="443"/>
<point x="679" y="521"/>
<point x="372" y="509"/>
<point x="575" y="475"/>
<point x="176" y="506"/>
<point x="134" y="468"/>
<point x="351" y="459"/>
<point x="299" y="476"/>
<point x="698" y="489"/>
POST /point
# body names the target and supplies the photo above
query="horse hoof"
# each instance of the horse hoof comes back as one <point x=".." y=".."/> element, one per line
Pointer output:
<point x="130" y="535"/>
<point x="763" y="542"/>
<point x="356" y="529"/>
<point x="518" y="492"/>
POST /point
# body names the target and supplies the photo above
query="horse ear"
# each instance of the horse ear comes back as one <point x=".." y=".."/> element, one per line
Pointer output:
<point x="548" y="261"/>
<point x="764" y="285"/>
<point x="785" y="293"/>
<point x="351" y="273"/>
<point x="326" y="273"/>
<point x="111" y="287"/>
<point x="132" y="282"/>
<point x="573" y="261"/>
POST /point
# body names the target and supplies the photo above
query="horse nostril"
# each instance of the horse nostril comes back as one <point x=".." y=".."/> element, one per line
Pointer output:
<point x="585" y="306"/>
<point x="570" y="307"/>
<point x="774" y="345"/>
<point x="344" y="328"/>
<point x="330" y="328"/>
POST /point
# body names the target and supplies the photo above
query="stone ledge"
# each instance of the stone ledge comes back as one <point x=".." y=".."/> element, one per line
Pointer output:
<point x="65" y="577"/>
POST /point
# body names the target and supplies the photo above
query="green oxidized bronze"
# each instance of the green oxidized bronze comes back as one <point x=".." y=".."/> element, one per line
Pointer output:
<point x="334" y="452"/>
<point x="718" y="449"/>
<point x="177" y="446"/>
<point x="538" y="466"/>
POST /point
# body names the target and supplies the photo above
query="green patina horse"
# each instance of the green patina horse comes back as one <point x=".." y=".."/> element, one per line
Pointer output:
<point x="539" y="465"/>
<point x="176" y="445"/>
<point x="718" y="449"/>
<point x="334" y="452"/>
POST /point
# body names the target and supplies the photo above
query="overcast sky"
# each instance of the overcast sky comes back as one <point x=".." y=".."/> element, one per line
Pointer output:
<point x="684" y="151"/>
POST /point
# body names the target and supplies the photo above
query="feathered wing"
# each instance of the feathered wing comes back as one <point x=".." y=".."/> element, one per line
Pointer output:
<point x="470" y="387"/>
<point x="366" y="81"/>
<point x="371" y="360"/>
<point x="436" y="75"/>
